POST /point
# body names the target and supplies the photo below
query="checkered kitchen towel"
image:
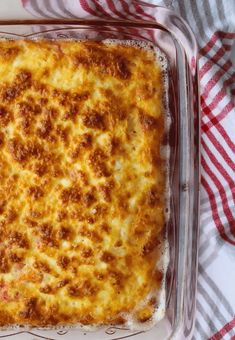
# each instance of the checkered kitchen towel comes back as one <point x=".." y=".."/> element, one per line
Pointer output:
<point x="213" y="22"/>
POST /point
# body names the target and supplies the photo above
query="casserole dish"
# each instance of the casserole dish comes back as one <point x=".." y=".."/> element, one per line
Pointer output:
<point x="171" y="35"/>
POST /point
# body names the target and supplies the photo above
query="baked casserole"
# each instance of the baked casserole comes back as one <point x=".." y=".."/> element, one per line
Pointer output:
<point x="82" y="182"/>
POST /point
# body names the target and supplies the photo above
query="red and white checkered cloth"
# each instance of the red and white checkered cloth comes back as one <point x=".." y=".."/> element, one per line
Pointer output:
<point x="213" y="22"/>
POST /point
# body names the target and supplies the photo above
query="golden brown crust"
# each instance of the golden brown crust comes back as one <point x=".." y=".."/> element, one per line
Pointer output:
<point x="81" y="182"/>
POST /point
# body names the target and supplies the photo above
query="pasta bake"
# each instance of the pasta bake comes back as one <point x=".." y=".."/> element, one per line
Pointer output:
<point x="82" y="182"/>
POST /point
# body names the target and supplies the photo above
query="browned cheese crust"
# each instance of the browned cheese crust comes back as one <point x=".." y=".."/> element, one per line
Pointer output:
<point x="81" y="182"/>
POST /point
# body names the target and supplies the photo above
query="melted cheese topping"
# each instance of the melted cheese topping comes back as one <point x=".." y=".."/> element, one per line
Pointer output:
<point x="81" y="182"/>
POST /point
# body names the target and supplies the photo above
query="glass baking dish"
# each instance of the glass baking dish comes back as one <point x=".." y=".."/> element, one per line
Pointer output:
<point x="173" y="36"/>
